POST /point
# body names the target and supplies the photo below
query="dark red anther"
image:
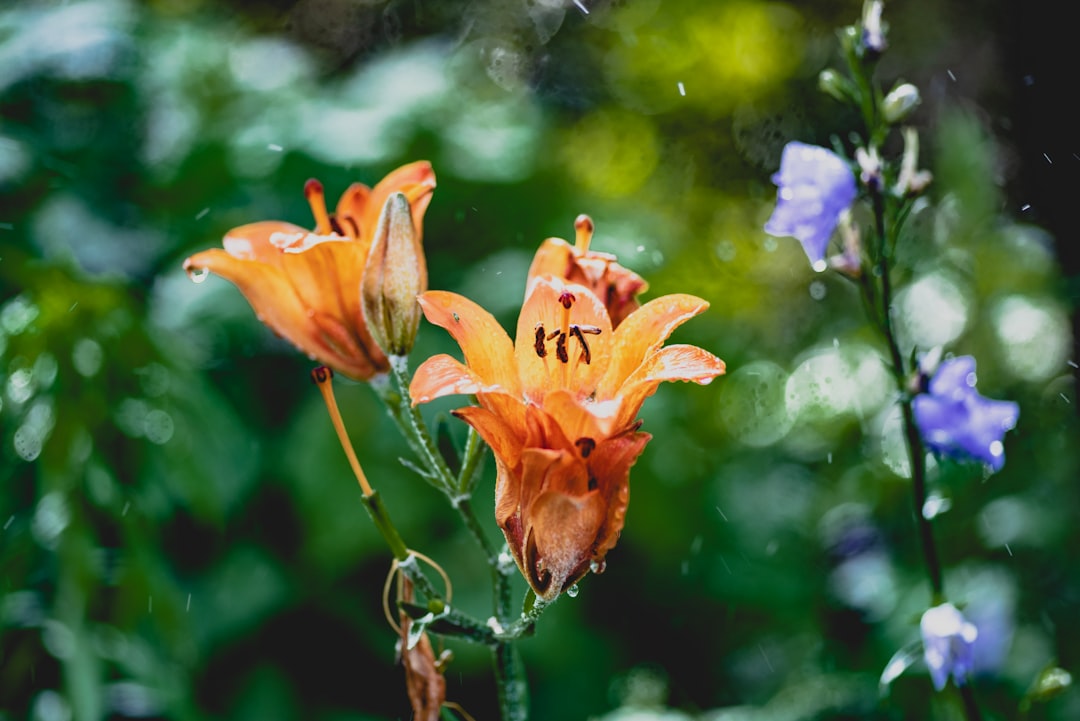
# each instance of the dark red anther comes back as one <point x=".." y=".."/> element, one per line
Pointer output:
<point x="585" y="445"/>
<point x="560" y="348"/>
<point x="541" y="350"/>
<point x="336" y="226"/>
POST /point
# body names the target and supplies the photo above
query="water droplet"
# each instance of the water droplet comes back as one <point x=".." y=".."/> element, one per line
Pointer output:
<point x="572" y="592"/>
<point x="598" y="567"/>
<point x="817" y="289"/>
<point x="158" y="427"/>
<point x="198" y="275"/>
<point x="50" y="519"/>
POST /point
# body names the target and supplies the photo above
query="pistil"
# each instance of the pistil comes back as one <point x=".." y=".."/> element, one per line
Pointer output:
<point x="313" y="191"/>
<point x="583" y="227"/>
<point x="322" y="376"/>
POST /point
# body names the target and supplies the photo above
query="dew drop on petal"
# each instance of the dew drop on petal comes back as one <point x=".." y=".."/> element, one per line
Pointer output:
<point x="996" y="448"/>
<point x="198" y="275"/>
<point x="598" y="567"/>
<point x="572" y="592"/>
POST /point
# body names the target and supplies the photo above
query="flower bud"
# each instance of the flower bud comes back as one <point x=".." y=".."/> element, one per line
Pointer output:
<point x="873" y="30"/>
<point x="900" y="103"/>
<point x="396" y="272"/>
<point x="836" y="85"/>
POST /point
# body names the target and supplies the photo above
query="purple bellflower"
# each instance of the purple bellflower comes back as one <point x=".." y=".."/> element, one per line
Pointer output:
<point x="815" y="187"/>
<point x="948" y="644"/>
<point x="955" y="420"/>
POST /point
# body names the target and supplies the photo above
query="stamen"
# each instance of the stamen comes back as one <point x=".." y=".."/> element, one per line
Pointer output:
<point x="322" y="376"/>
<point x="583" y="226"/>
<point x="541" y="349"/>
<point x="585" y="445"/>
<point x="577" y="331"/>
<point x="313" y="191"/>
<point x="336" y="226"/>
<point x="560" y="348"/>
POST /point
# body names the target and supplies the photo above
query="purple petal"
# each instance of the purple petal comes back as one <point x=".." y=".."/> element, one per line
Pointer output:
<point x="815" y="187"/>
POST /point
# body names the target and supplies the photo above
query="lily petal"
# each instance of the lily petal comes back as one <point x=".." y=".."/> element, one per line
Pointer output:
<point x="442" y="375"/>
<point x="416" y="180"/>
<point x="644" y="331"/>
<point x="486" y="346"/>
<point x="672" y="363"/>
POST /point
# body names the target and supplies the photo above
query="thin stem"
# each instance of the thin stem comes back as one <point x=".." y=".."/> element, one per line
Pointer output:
<point x="470" y="466"/>
<point x="510" y="682"/>
<point x="415" y="426"/>
<point x="916" y="451"/>
<point x="971" y="708"/>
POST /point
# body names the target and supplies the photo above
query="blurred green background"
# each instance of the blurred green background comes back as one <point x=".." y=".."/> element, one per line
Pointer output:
<point x="180" y="536"/>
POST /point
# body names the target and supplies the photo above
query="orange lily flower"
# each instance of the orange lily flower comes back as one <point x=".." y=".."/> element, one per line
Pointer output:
<point x="600" y="272"/>
<point x="558" y="407"/>
<point x="306" y="285"/>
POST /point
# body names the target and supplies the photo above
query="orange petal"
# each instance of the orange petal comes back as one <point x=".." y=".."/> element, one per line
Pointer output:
<point x="486" y="346"/>
<point x="505" y="440"/>
<point x="580" y="419"/>
<point x="553" y="257"/>
<point x="253" y="241"/>
<point x="275" y="302"/>
<point x="416" y="180"/>
<point x="610" y="465"/>
<point x="543" y="312"/>
<point x="442" y="375"/>
<point x="350" y="211"/>
<point x="644" y="331"/>
<point x="673" y="363"/>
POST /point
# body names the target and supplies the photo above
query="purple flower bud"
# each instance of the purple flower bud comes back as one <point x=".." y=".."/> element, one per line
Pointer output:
<point x="955" y="420"/>
<point x="815" y="187"/>
<point x="948" y="645"/>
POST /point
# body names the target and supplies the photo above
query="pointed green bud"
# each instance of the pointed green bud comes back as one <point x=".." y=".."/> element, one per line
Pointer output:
<point x="396" y="272"/>
<point x="836" y="85"/>
<point x="900" y="103"/>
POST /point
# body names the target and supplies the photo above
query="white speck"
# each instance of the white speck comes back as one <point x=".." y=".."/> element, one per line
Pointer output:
<point x="494" y="625"/>
<point x="682" y="89"/>
<point x="1064" y="397"/>
<point x="829" y="457"/>
<point x="9" y="520"/>
<point x="188" y="607"/>
<point x="820" y="265"/>
<point x="1025" y="206"/>
<point x="951" y="76"/>
<point x="721" y="513"/>
<point x="1048" y="159"/>
<point x="150" y="604"/>
<point x="1072" y="364"/>
<point x="126" y="507"/>
<point x="275" y="147"/>
<point x="581" y="7"/>
<point x="1008" y="549"/>
<point x="202" y="214"/>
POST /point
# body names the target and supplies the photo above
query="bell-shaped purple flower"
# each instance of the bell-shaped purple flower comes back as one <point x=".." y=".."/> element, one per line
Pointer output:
<point x="948" y="645"/>
<point x="815" y="187"/>
<point x="955" y="420"/>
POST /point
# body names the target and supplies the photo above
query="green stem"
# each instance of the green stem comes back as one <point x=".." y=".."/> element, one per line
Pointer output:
<point x="470" y="466"/>
<point x="916" y="451"/>
<point x="510" y="681"/>
<point x="416" y="428"/>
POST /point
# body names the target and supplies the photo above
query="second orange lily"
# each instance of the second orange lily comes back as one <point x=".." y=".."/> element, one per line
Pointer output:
<point x="558" y="406"/>
<point x="306" y="285"/>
